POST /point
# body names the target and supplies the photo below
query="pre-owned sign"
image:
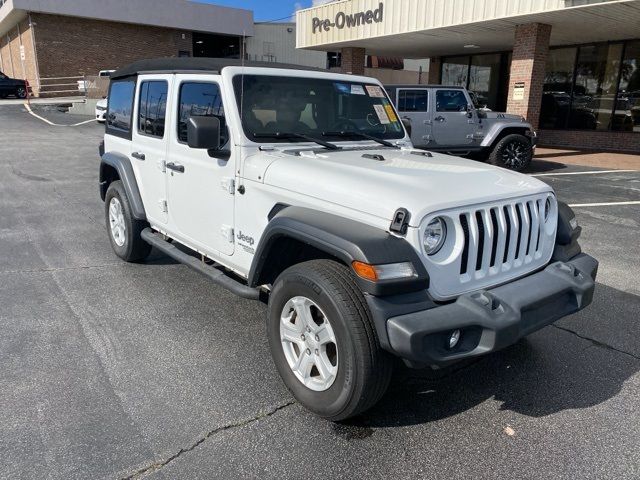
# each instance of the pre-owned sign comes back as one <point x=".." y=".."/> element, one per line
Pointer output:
<point x="344" y="20"/>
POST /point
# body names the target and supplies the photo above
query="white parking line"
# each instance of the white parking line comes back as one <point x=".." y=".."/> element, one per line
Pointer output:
<point x="26" y="105"/>
<point x="593" y="172"/>
<point x="604" y="204"/>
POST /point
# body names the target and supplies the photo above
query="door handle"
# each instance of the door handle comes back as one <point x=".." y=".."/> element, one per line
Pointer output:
<point x="175" y="167"/>
<point x="440" y="118"/>
<point x="138" y="155"/>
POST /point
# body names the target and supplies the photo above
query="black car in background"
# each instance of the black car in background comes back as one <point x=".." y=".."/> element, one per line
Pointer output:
<point x="12" y="86"/>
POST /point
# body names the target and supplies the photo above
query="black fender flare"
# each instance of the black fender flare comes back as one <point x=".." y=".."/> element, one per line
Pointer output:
<point x="345" y="239"/>
<point x="122" y="165"/>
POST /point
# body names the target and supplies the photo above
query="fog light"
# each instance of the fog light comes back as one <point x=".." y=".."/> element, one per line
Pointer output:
<point x="454" y="339"/>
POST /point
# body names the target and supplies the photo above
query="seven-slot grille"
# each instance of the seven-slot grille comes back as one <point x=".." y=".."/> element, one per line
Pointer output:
<point x="502" y="237"/>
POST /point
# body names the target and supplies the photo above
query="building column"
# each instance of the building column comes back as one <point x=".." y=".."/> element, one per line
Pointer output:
<point x="353" y="60"/>
<point x="435" y="65"/>
<point x="528" y="67"/>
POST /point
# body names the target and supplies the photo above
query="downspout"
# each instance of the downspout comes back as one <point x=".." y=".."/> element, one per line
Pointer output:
<point x="35" y="52"/>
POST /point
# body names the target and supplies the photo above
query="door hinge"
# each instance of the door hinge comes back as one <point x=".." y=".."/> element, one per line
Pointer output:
<point x="163" y="206"/>
<point x="162" y="166"/>
<point x="227" y="232"/>
<point x="228" y="184"/>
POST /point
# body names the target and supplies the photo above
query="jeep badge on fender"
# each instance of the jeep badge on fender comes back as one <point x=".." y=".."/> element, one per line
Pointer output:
<point x="365" y="247"/>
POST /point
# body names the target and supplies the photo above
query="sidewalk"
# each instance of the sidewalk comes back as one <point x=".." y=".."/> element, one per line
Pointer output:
<point x="554" y="158"/>
<point x="43" y="101"/>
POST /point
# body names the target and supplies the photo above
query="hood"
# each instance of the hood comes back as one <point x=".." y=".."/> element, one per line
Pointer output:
<point x="503" y="116"/>
<point x="400" y="178"/>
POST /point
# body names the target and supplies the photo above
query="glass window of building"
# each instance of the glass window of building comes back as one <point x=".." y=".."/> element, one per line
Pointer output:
<point x="558" y="85"/>
<point x="484" y="79"/>
<point x="594" y="92"/>
<point x="629" y="86"/>
<point x="455" y="71"/>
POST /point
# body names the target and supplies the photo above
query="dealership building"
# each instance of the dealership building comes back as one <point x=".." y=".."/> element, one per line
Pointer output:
<point x="48" y="42"/>
<point x="571" y="67"/>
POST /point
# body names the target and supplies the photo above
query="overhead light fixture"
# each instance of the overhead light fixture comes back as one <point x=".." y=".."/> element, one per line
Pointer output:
<point x="471" y="45"/>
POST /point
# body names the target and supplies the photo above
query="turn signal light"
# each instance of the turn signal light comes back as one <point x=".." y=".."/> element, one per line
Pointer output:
<point x="388" y="271"/>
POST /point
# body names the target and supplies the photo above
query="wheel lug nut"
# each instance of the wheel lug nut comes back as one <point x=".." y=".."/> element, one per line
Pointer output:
<point x="308" y="352"/>
<point x="316" y="351"/>
<point x="302" y="337"/>
<point x="317" y="338"/>
<point x="308" y="329"/>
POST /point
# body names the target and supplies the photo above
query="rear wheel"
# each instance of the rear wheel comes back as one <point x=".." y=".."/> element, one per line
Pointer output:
<point x="514" y="152"/>
<point x="124" y="230"/>
<point x="323" y="341"/>
<point x="21" y="92"/>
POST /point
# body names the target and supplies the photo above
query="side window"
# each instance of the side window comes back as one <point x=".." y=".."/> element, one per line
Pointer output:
<point x="413" y="100"/>
<point x="204" y="100"/>
<point x="152" y="108"/>
<point x="120" y="107"/>
<point x="451" y="101"/>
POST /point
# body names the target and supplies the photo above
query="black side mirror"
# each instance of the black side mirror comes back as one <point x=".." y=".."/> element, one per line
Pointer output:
<point x="203" y="133"/>
<point x="469" y="110"/>
<point x="406" y="121"/>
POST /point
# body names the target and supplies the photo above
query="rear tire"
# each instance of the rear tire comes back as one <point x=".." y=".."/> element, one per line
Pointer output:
<point x="124" y="230"/>
<point x="514" y="152"/>
<point x="359" y="370"/>
<point x="21" y="92"/>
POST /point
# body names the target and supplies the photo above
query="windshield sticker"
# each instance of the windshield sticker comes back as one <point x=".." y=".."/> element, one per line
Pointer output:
<point x="390" y="113"/>
<point x="382" y="114"/>
<point x="342" y="87"/>
<point x="375" y="91"/>
<point x="357" y="90"/>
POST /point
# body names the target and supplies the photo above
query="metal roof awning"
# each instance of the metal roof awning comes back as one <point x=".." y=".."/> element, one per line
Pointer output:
<point x="418" y="29"/>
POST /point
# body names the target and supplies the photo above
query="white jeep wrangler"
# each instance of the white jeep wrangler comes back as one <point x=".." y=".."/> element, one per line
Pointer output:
<point x="302" y="187"/>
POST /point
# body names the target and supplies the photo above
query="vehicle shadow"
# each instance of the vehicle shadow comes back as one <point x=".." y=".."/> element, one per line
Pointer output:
<point x="551" y="371"/>
<point x="538" y="165"/>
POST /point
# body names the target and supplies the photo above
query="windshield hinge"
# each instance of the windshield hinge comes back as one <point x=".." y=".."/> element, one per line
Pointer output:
<point x="229" y="185"/>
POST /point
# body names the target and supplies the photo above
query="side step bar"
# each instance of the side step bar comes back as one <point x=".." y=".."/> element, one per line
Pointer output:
<point x="212" y="273"/>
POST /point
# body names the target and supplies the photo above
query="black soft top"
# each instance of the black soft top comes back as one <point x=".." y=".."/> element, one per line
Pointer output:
<point x="189" y="64"/>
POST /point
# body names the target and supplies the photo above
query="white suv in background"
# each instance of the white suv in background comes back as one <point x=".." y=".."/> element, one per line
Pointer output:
<point x="301" y="188"/>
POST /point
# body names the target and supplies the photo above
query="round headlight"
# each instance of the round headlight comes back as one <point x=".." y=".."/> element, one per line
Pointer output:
<point x="434" y="236"/>
<point x="547" y="209"/>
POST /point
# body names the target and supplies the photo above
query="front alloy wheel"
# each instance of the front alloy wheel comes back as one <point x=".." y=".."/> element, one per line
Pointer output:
<point x="514" y="152"/>
<point x="309" y="343"/>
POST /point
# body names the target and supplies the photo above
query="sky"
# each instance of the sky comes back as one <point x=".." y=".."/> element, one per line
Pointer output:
<point x="264" y="10"/>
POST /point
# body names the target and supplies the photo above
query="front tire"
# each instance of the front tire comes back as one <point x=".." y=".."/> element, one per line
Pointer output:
<point x="323" y="341"/>
<point x="124" y="230"/>
<point x="513" y="152"/>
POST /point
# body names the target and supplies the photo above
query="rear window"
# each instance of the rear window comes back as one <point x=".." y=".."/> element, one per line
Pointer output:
<point x="120" y="108"/>
<point x="413" y="100"/>
<point x="152" y="108"/>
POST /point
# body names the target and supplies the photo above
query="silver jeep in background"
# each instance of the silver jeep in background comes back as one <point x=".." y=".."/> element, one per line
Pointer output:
<point x="445" y="119"/>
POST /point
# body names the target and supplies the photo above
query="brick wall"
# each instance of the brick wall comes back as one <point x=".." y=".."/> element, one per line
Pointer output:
<point x="530" y="50"/>
<point x="592" y="140"/>
<point x="70" y="46"/>
<point x="11" y="62"/>
<point x="353" y="60"/>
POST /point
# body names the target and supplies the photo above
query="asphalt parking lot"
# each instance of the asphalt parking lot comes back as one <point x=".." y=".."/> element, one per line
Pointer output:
<point x="113" y="370"/>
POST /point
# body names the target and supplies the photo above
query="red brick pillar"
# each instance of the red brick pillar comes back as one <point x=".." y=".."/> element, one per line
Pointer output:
<point x="527" y="70"/>
<point x="435" y="64"/>
<point x="353" y="60"/>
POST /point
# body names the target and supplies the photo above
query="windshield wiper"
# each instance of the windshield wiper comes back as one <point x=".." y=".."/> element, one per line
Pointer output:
<point x="350" y="133"/>
<point x="328" y="145"/>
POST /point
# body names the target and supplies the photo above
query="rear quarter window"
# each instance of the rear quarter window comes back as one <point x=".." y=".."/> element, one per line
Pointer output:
<point x="120" y="108"/>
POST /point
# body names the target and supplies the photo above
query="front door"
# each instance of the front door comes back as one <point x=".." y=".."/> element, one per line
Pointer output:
<point x="201" y="194"/>
<point x="413" y="105"/>
<point x="149" y="141"/>
<point x="452" y="126"/>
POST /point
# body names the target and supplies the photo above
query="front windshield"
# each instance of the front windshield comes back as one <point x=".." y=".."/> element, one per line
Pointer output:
<point x="313" y="107"/>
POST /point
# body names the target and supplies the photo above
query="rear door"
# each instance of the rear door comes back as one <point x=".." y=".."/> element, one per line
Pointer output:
<point x="451" y="125"/>
<point x="201" y="193"/>
<point x="413" y="105"/>
<point x="149" y="146"/>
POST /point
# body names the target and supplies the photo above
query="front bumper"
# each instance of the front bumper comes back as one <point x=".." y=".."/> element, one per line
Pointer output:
<point x="491" y="319"/>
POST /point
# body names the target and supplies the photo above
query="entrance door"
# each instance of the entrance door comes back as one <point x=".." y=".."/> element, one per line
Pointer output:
<point x="149" y="138"/>
<point x="451" y="125"/>
<point x="201" y="201"/>
<point x="413" y="104"/>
